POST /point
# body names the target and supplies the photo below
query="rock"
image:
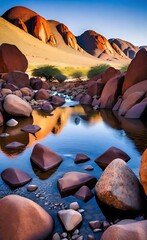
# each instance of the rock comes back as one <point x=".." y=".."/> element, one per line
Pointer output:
<point x="137" y="70"/>
<point x="88" y="167"/>
<point x="44" y="158"/>
<point x="110" y="94"/>
<point x="74" y="206"/>
<point x="84" y="193"/>
<point x="32" y="188"/>
<point x="39" y="224"/>
<point x="117" y="104"/>
<point x="109" y="73"/>
<point x="18" y="93"/>
<point x="130" y="101"/>
<point x="57" y="101"/>
<point x="56" y="236"/>
<point x="126" y="229"/>
<point x="16" y="106"/>
<point x="106" y="224"/>
<point x="108" y="156"/>
<point x="31" y="128"/>
<point x="15" y="177"/>
<point x="91" y="237"/>
<point x="80" y="158"/>
<point x="27" y="92"/>
<point x="17" y="78"/>
<point x="143" y="170"/>
<point x="71" y="181"/>
<point x="137" y="110"/>
<point x="95" y="224"/>
<point x="42" y="94"/>
<point x="14" y="145"/>
<point x="18" y="60"/>
<point x="47" y="107"/>
<point x="1" y="119"/>
<point x="10" y="86"/>
<point x="70" y="218"/>
<point x="11" y="123"/>
<point x="95" y="103"/>
<point x="95" y="87"/>
<point x="86" y="99"/>
<point x="78" y="96"/>
<point x="138" y="87"/>
<point x="118" y="187"/>
<point x="5" y="92"/>
<point x="3" y="135"/>
<point x="36" y="83"/>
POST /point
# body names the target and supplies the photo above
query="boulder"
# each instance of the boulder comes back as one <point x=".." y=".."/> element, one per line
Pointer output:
<point x="12" y="59"/>
<point x="39" y="224"/>
<point x="19" y="23"/>
<point x="84" y="193"/>
<point x="36" y="83"/>
<point x="119" y="187"/>
<point x="57" y="100"/>
<point x="47" y="107"/>
<point x="31" y="128"/>
<point x="10" y="86"/>
<point x="138" y="87"/>
<point x="70" y="218"/>
<point x="42" y="94"/>
<point x="15" y="177"/>
<point x="27" y="92"/>
<point x="44" y="158"/>
<point x="80" y="157"/>
<point x="17" y="78"/>
<point x="86" y="99"/>
<point x="95" y="87"/>
<point x="126" y="230"/>
<point x="143" y="170"/>
<point x="108" y="156"/>
<point x="72" y="181"/>
<point x="1" y="119"/>
<point x="18" y="93"/>
<point x="137" y="110"/>
<point x="14" y="145"/>
<point x="137" y="70"/>
<point x="109" y="73"/>
<point x="15" y="106"/>
<point x="5" y="92"/>
<point x="111" y="92"/>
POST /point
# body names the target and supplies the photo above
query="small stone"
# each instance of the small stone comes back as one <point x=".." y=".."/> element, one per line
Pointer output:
<point x="70" y="218"/>
<point x="91" y="237"/>
<point x="3" y="135"/>
<point x="32" y="188"/>
<point x="14" y="145"/>
<point x="63" y="235"/>
<point x="80" y="238"/>
<point x="105" y="225"/>
<point x="95" y="224"/>
<point x="76" y="232"/>
<point x="80" y="158"/>
<point x="97" y="230"/>
<point x="81" y="210"/>
<point x="56" y="237"/>
<point x="11" y="123"/>
<point x="88" y="167"/>
<point x="31" y="128"/>
<point x="75" y="236"/>
<point x="74" y="206"/>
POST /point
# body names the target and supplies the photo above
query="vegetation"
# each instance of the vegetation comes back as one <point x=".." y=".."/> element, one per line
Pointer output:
<point x="48" y="72"/>
<point x="97" y="70"/>
<point x="124" y="68"/>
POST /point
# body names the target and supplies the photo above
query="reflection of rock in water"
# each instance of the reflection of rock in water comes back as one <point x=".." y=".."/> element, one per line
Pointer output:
<point x="110" y="119"/>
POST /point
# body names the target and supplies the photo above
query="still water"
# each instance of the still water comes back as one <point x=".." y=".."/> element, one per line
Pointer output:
<point x="70" y="130"/>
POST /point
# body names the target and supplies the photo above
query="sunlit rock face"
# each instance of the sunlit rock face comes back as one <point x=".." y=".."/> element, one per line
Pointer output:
<point x="29" y="21"/>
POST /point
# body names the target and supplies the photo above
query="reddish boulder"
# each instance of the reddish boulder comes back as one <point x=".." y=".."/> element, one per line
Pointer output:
<point x="36" y="83"/>
<point x="15" y="177"/>
<point x="84" y="193"/>
<point x="12" y="59"/>
<point x="17" y="78"/>
<point x="42" y="94"/>
<point x="80" y="157"/>
<point x="137" y="110"/>
<point x="143" y="170"/>
<point x="27" y="92"/>
<point x="86" y="99"/>
<point x="57" y="100"/>
<point x="44" y="158"/>
<point x="95" y="87"/>
<point x="137" y="70"/>
<point x="108" y="156"/>
<point x="138" y="87"/>
<point x="47" y="107"/>
<point x="109" y="73"/>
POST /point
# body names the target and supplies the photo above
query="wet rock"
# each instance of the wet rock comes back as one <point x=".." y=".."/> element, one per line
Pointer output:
<point x="86" y="99"/>
<point x="32" y="188"/>
<point x="44" y="158"/>
<point x="74" y="206"/>
<point x="64" y="235"/>
<point x="143" y="170"/>
<point x="57" y="101"/>
<point x="16" y="106"/>
<point x="15" y="177"/>
<point x="137" y="70"/>
<point x="70" y="219"/>
<point x="108" y="156"/>
<point x="110" y="94"/>
<point x="14" y="145"/>
<point x="39" y="224"/>
<point x="126" y="229"/>
<point x="137" y="110"/>
<point x="84" y="193"/>
<point x="71" y="181"/>
<point x="11" y="123"/>
<point x="117" y="104"/>
<point x="80" y="157"/>
<point x="119" y="187"/>
<point x="17" y="78"/>
<point x="42" y="94"/>
<point x="18" y="60"/>
<point x="95" y="224"/>
<point x="31" y="128"/>
<point x="109" y="73"/>
<point x="106" y="224"/>
<point x="47" y="107"/>
<point x="88" y="167"/>
<point x="56" y="236"/>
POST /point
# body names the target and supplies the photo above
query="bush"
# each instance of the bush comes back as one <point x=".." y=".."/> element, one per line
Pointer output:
<point x="77" y="74"/>
<point x="97" y="70"/>
<point x="48" y="72"/>
<point x="124" y="68"/>
<point x="60" y="77"/>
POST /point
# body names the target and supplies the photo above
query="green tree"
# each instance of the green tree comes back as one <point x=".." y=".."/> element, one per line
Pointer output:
<point x="97" y="70"/>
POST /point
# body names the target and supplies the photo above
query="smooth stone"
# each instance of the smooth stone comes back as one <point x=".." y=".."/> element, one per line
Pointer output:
<point x="74" y="206"/>
<point x="84" y="193"/>
<point x="31" y="128"/>
<point x="80" y="158"/>
<point x="11" y="123"/>
<point x="91" y="237"/>
<point x="15" y="177"/>
<point x="70" y="218"/>
<point x="3" y="135"/>
<point x="56" y="236"/>
<point x="95" y="224"/>
<point x="63" y="235"/>
<point x="88" y="167"/>
<point x="32" y="188"/>
<point x="76" y="232"/>
<point x="14" y="145"/>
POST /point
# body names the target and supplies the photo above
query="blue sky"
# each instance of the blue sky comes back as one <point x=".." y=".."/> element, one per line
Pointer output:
<point x="125" y="19"/>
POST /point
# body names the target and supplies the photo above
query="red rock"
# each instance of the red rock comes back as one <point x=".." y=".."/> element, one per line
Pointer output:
<point x="10" y="86"/>
<point x="72" y="181"/>
<point x="19" y="23"/>
<point x="95" y="224"/>
<point x="44" y="158"/>
<point x="57" y="101"/>
<point x="137" y="70"/>
<point x="84" y="193"/>
<point x="137" y="110"/>
<point x="36" y="83"/>
<point x="95" y="88"/>
<point x="143" y="170"/>
<point x="86" y="100"/>
<point x="42" y="94"/>
<point x="138" y="87"/>
<point x="17" y="78"/>
<point x="80" y="157"/>
<point x="27" y="92"/>
<point x="78" y="96"/>
<point x="31" y="129"/>
<point x="14" y="145"/>
<point x="15" y="177"/>
<point x="95" y="102"/>
<point x="108" y="156"/>
<point x="117" y="104"/>
<point x="12" y="59"/>
<point x="1" y="119"/>
<point x="109" y="73"/>
<point x="5" y="92"/>
<point x="111" y="92"/>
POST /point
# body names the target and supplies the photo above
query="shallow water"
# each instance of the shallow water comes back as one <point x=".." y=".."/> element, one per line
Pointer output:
<point x="70" y="130"/>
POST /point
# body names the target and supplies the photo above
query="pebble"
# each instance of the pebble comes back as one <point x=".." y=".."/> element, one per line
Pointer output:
<point x="56" y="237"/>
<point x="76" y="232"/>
<point x="80" y="238"/>
<point x="63" y="235"/>
<point x="81" y="210"/>
<point x="74" y="206"/>
<point x="88" y="167"/>
<point x="11" y="123"/>
<point x="32" y="188"/>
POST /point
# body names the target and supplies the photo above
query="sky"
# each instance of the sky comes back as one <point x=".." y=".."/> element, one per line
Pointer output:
<point x="125" y="19"/>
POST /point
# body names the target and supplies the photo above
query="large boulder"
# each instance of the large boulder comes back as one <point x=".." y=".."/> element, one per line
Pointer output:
<point x="111" y="92"/>
<point x="143" y="170"/>
<point x="137" y="70"/>
<point x="12" y="59"/>
<point x="17" y="78"/>
<point x="108" y="74"/>
<point x="95" y="87"/>
<point x="119" y="187"/>
<point x="15" y="106"/>
<point x="137" y="110"/>
<point x="25" y="218"/>
<point x="42" y="94"/>
<point x="126" y="230"/>
<point x="138" y="87"/>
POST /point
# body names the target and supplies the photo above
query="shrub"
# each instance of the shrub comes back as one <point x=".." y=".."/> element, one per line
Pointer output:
<point x="48" y="72"/>
<point x="97" y="70"/>
<point x="77" y="74"/>
<point x="124" y="68"/>
<point x="61" y="77"/>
